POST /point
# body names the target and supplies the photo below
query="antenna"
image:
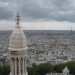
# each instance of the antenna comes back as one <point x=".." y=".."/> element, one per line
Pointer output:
<point x="71" y="29"/>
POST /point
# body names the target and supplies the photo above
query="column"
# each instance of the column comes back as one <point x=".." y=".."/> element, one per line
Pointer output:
<point x="23" y="65"/>
<point x="10" y="66"/>
<point x="15" y="66"/>
<point x="19" y="64"/>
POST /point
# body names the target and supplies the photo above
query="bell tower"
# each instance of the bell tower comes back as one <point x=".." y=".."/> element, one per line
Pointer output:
<point x="18" y="50"/>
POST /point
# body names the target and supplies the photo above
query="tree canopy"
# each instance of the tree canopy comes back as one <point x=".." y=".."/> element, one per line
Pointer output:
<point x="42" y="69"/>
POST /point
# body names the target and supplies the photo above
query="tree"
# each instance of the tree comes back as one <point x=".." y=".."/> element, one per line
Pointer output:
<point x="71" y="67"/>
<point x="58" y="68"/>
<point x="32" y="70"/>
<point x="44" y="68"/>
<point x="5" y="70"/>
<point x="0" y="70"/>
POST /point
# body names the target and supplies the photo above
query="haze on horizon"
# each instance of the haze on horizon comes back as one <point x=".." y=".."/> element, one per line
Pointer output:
<point x="38" y="15"/>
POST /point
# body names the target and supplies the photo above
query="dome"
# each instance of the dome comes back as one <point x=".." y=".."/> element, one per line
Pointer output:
<point x="17" y="38"/>
<point x="66" y="70"/>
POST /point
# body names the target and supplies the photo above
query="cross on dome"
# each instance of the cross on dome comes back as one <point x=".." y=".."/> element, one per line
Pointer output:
<point x="17" y="19"/>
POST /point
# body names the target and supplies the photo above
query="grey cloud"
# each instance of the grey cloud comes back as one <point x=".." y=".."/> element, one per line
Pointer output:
<point x="45" y="10"/>
<point x="49" y="10"/>
<point x="5" y="14"/>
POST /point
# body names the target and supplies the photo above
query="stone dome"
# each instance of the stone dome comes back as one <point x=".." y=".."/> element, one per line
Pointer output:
<point x="66" y="70"/>
<point x="17" y="38"/>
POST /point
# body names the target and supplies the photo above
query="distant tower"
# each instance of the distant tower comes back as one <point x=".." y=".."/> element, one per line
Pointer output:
<point x="18" y="50"/>
<point x="71" y="29"/>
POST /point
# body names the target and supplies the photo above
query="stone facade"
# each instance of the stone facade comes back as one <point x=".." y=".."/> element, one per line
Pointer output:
<point x="18" y="51"/>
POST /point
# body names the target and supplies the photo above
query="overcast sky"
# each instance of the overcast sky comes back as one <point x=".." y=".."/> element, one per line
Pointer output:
<point x="38" y="14"/>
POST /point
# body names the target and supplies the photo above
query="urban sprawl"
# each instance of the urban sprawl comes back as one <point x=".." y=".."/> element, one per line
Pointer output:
<point x="43" y="46"/>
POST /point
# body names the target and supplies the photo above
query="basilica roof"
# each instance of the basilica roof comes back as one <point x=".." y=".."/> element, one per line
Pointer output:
<point x="66" y="70"/>
<point x="17" y="38"/>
